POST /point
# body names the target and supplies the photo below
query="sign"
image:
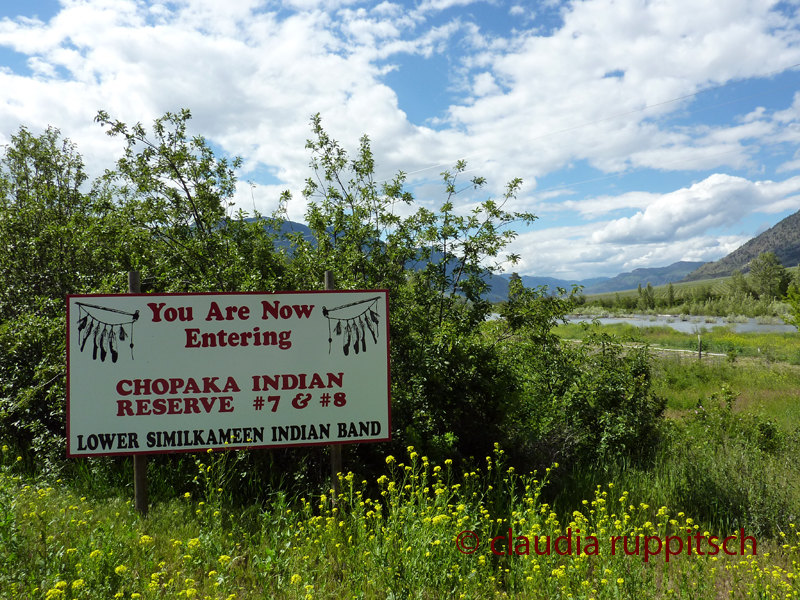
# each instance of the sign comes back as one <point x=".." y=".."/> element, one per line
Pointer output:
<point x="150" y="373"/>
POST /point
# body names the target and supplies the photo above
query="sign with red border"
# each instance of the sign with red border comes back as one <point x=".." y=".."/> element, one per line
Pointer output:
<point x="152" y="373"/>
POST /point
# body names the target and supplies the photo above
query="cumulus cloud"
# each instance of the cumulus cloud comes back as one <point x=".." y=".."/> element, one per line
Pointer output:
<point x="596" y="87"/>
<point x="679" y="225"/>
<point x="718" y="201"/>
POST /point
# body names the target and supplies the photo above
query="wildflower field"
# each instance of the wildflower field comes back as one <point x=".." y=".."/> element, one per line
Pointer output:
<point x="395" y="537"/>
<point x="701" y="501"/>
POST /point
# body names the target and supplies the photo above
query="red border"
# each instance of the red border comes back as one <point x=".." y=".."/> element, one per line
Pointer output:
<point x="228" y="448"/>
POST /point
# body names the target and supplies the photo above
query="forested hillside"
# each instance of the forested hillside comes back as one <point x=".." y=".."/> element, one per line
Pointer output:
<point x="654" y="276"/>
<point x="783" y="240"/>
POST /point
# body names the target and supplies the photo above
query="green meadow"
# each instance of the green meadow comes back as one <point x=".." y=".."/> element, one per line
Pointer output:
<point x="527" y="459"/>
<point x="727" y="464"/>
<point x="393" y="537"/>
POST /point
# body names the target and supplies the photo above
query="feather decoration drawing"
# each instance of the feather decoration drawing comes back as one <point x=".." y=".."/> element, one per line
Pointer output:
<point x="104" y="331"/>
<point x="352" y="325"/>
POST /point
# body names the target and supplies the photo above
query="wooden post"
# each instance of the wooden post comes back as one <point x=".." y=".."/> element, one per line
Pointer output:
<point x="140" y="500"/>
<point x="336" y="449"/>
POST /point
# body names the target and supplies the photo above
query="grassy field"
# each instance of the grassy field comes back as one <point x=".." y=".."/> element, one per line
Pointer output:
<point x="399" y="543"/>
<point x="719" y="286"/>
<point x="761" y="369"/>
<point x="772" y="347"/>
<point x="728" y="463"/>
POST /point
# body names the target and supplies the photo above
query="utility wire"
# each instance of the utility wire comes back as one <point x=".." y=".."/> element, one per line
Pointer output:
<point x="698" y="158"/>
<point x="667" y="118"/>
<point x="623" y="114"/>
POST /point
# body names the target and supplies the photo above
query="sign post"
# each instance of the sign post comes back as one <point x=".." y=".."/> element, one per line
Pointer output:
<point x="336" y="449"/>
<point x="225" y="371"/>
<point x="140" y="499"/>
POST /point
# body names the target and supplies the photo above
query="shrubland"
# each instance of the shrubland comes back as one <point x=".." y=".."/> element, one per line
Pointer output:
<point x="464" y="388"/>
<point x="458" y="385"/>
<point x="767" y="290"/>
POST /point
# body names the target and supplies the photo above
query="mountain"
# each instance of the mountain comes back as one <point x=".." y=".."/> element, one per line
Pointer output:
<point x="498" y="283"/>
<point x="552" y="283"/>
<point x="594" y="285"/>
<point x="655" y="276"/>
<point x="783" y="239"/>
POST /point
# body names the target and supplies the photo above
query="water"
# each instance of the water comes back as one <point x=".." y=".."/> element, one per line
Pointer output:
<point x="689" y="326"/>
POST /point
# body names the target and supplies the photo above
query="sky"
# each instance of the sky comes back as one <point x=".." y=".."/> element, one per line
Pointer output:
<point x="645" y="131"/>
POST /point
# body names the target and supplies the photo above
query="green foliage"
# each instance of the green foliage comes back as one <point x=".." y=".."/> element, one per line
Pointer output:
<point x="450" y="388"/>
<point x="176" y="196"/>
<point x="739" y="287"/>
<point x="612" y="401"/>
<point x="583" y="404"/>
<point x="769" y="277"/>
<point x="32" y="386"/>
<point x="55" y="239"/>
<point x="793" y="299"/>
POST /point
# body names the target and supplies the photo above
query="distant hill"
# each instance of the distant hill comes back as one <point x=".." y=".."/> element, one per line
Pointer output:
<point x="552" y="283"/>
<point x="655" y="276"/>
<point x="593" y="285"/>
<point x="783" y="239"/>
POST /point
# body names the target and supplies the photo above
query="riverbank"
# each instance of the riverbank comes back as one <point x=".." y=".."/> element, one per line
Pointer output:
<point x="721" y="339"/>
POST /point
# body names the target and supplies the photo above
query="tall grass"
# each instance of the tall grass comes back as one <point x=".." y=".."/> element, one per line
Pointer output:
<point x="399" y="542"/>
<point x="728" y="469"/>
<point x="771" y="346"/>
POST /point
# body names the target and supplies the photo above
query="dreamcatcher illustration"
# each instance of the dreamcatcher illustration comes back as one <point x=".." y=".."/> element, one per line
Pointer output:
<point x="105" y="335"/>
<point x="353" y="329"/>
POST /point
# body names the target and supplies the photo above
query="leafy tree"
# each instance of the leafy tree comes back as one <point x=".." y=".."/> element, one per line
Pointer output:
<point x="177" y="195"/>
<point x="740" y="289"/>
<point x="451" y="389"/>
<point x="670" y="295"/>
<point x="514" y="282"/>
<point x="650" y="296"/>
<point x="56" y="237"/>
<point x="458" y="382"/>
<point x="646" y="297"/>
<point x="702" y="293"/>
<point x="770" y="279"/>
<point x="793" y="299"/>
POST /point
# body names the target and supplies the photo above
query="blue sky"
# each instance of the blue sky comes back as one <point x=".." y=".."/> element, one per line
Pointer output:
<point x="645" y="131"/>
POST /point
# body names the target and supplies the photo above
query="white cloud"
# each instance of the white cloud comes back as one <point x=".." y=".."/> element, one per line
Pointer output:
<point x="439" y="5"/>
<point x="718" y="201"/>
<point x="679" y="225"/>
<point x="527" y="104"/>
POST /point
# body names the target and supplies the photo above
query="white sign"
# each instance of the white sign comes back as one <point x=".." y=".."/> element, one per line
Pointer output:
<point x="150" y="373"/>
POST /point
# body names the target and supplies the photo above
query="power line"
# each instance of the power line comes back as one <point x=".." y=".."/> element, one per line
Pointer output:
<point x="695" y="158"/>
<point x="616" y="116"/>
<point x="660" y="166"/>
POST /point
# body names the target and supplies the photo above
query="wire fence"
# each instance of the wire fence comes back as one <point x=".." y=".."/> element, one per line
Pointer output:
<point x="683" y="356"/>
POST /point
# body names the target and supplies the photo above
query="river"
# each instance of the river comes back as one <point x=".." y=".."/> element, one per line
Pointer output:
<point x="692" y="325"/>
